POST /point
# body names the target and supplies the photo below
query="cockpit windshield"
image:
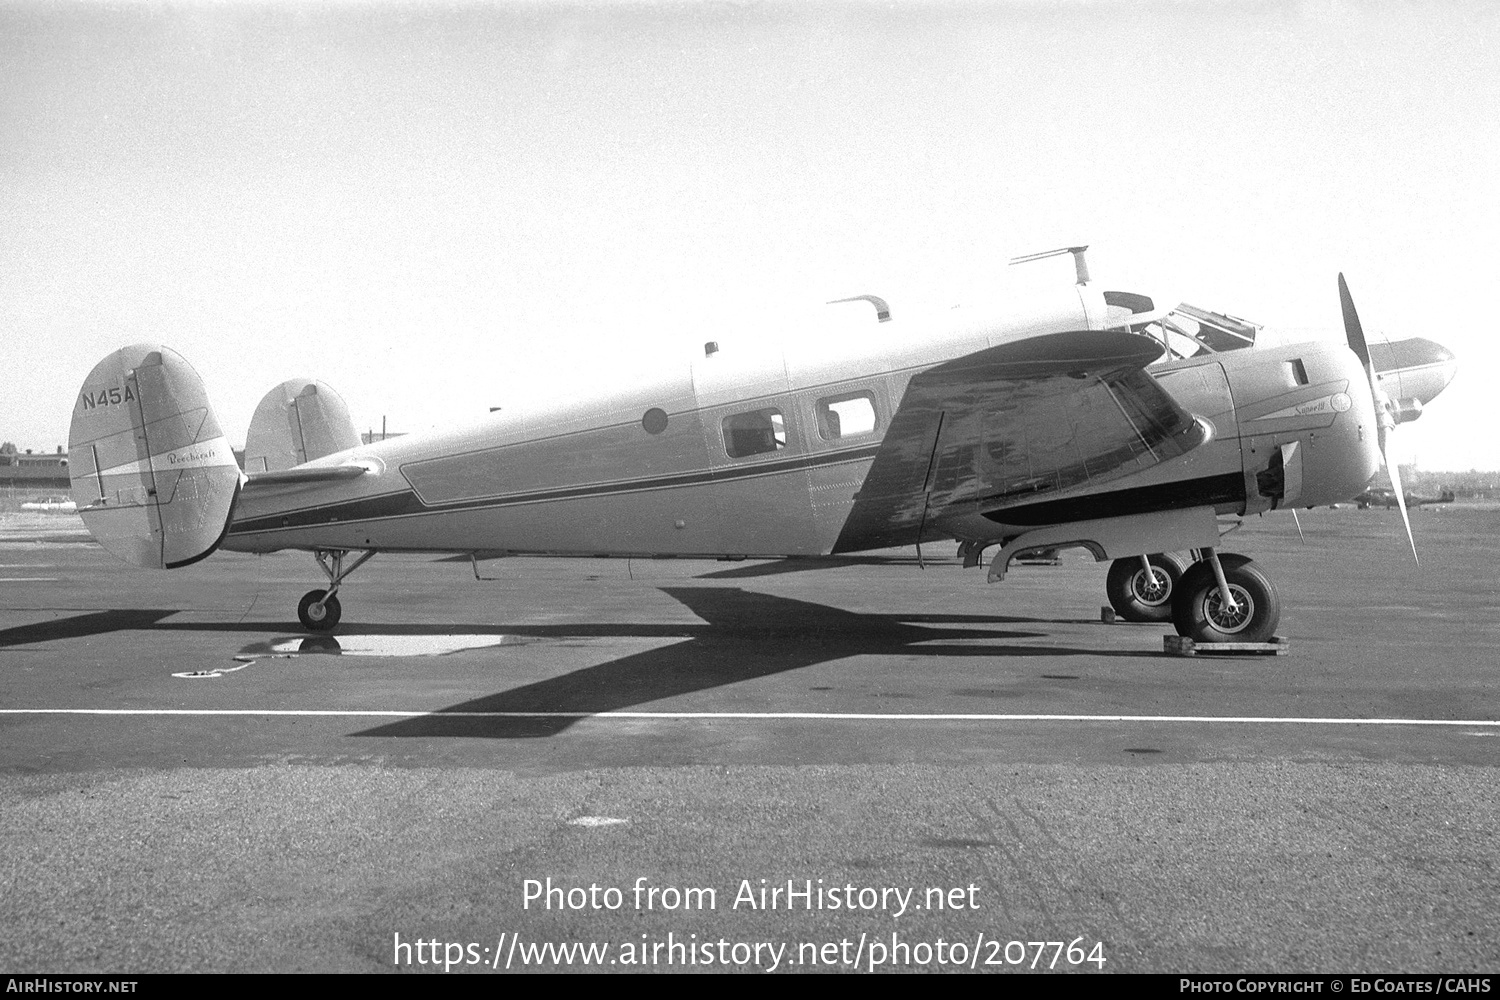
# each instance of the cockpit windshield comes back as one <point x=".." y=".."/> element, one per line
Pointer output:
<point x="1188" y="331"/>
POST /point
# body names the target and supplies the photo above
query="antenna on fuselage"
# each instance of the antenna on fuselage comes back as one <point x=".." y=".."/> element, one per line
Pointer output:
<point x="1079" y="263"/>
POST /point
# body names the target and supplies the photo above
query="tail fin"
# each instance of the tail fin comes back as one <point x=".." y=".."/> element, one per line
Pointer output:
<point x="296" y="422"/>
<point x="153" y="475"/>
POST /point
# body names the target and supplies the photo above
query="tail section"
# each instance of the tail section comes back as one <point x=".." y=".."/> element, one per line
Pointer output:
<point x="296" y="422"/>
<point x="153" y="476"/>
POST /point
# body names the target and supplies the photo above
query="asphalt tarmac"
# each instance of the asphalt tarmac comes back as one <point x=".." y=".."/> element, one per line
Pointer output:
<point x="945" y="772"/>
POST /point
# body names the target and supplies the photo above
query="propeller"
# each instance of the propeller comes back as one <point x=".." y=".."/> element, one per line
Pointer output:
<point x="1386" y="414"/>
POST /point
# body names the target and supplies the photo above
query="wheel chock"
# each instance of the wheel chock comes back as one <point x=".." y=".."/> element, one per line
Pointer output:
<point x="1178" y="645"/>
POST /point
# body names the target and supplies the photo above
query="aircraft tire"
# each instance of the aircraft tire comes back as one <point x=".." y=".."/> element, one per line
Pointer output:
<point x="1196" y="605"/>
<point x="319" y="623"/>
<point x="1136" y="599"/>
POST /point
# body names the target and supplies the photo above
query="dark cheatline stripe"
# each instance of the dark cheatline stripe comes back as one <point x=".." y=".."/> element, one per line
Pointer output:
<point x="366" y="509"/>
<point x="406" y="502"/>
<point x="1226" y="488"/>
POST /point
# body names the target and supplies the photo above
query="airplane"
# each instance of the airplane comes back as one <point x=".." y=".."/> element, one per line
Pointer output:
<point x="1380" y="496"/>
<point x="1046" y="424"/>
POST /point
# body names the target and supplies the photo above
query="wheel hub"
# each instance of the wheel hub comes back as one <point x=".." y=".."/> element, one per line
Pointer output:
<point x="1153" y="591"/>
<point x="1226" y="620"/>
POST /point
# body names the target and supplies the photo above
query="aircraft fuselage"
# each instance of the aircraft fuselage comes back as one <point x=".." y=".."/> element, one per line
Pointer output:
<point x="766" y="451"/>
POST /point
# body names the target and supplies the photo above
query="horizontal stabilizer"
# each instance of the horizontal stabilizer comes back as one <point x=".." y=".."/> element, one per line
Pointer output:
<point x="314" y="474"/>
<point x="153" y="476"/>
<point x="298" y="421"/>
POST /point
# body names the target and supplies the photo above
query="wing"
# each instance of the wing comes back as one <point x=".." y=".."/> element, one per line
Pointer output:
<point x="998" y="427"/>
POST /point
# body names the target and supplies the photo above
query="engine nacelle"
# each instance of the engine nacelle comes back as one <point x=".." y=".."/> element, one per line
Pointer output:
<point x="1309" y="433"/>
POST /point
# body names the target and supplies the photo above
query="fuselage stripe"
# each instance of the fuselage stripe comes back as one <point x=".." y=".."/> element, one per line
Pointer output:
<point x="406" y="503"/>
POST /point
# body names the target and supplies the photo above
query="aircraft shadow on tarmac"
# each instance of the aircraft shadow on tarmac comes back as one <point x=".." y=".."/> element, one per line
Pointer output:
<point x="747" y="635"/>
<point x="744" y="635"/>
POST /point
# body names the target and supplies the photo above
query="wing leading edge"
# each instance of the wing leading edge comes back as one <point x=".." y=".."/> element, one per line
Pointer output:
<point x="1000" y="426"/>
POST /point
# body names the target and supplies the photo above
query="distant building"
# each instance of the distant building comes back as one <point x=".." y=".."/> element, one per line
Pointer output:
<point x="29" y="469"/>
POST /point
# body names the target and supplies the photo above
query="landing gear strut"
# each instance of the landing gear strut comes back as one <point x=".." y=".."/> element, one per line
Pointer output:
<point x="319" y="610"/>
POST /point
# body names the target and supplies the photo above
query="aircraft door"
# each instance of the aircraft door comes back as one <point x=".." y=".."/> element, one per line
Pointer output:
<point x="758" y="450"/>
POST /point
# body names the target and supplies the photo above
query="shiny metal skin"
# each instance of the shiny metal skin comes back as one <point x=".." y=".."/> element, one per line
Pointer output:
<point x="1023" y="425"/>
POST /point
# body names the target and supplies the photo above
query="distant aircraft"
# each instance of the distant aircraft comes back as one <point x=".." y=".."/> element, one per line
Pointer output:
<point x="1380" y="496"/>
<point x="1035" y="427"/>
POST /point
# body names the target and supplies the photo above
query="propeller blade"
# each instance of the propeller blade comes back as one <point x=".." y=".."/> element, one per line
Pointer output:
<point x="1352" y="329"/>
<point x="1385" y="420"/>
<point x="1298" y="520"/>
<point x="1390" y="467"/>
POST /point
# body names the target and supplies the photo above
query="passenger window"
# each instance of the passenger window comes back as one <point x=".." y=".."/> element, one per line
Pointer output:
<point x="754" y="433"/>
<point x="846" y="416"/>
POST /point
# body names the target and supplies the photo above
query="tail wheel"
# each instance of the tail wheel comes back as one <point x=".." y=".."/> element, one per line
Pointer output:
<point x="1200" y="613"/>
<point x="1139" y="597"/>
<point x="316" y="616"/>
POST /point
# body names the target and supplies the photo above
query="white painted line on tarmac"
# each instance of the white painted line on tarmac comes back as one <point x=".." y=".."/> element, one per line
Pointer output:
<point x="20" y="579"/>
<point x="745" y="716"/>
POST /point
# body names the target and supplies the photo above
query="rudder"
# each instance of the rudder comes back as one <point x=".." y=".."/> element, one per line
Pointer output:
<point x="154" y="478"/>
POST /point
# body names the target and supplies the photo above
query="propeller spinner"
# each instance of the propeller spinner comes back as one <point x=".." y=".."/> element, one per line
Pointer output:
<point x="1387" y="414"/>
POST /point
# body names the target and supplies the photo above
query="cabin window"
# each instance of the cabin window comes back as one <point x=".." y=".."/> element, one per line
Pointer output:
<point x="754" y="433"/>
<point x="846" y="416"/>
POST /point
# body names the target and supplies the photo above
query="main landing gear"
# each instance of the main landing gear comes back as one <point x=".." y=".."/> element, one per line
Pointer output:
<point x="1140" y="588"/>
<point x="319" y="610"/>
<point x="1224" y="598"/>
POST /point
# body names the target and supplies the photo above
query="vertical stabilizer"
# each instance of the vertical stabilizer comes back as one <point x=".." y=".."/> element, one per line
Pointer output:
<point x="298" y="421"/>
<point x="153" y="475"/>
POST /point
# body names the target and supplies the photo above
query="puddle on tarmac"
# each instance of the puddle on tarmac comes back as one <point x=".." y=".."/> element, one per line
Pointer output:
<point x="293" y="646"/>
<point x="214" y="672"/>
<point x="374" y="645"/>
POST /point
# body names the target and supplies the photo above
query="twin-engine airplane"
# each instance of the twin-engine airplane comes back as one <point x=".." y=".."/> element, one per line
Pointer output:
<point x="1022" y="428"/>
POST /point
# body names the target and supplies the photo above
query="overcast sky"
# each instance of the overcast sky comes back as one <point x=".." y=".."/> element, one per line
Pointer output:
<point x="441" y="208"/>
